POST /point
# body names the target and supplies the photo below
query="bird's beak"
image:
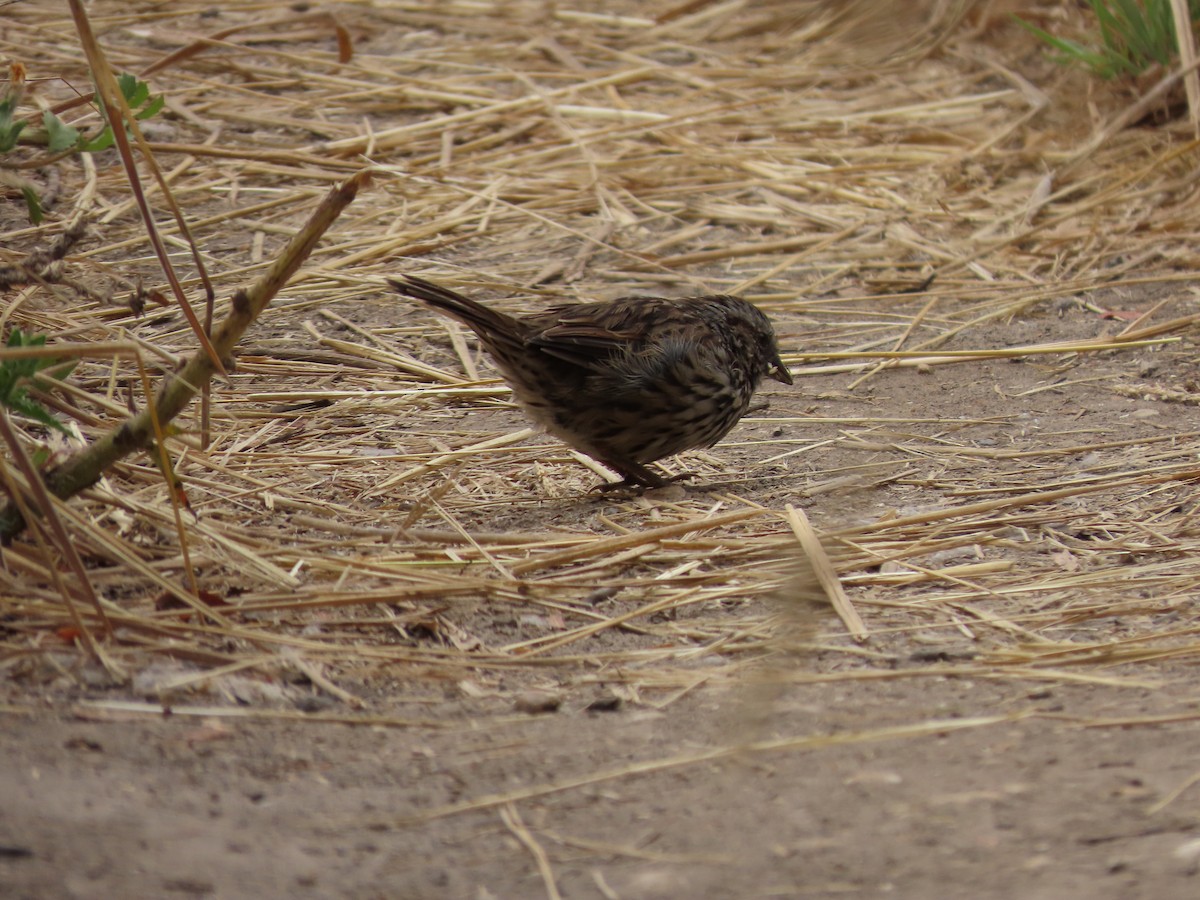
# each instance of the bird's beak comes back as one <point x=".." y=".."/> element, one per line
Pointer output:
<point x="780" y="372"/>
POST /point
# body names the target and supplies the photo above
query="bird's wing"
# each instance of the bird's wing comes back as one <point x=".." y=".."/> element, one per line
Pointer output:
<point x="590" y="335"/>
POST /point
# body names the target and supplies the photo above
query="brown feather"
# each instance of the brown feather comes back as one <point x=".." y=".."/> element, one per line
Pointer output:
<point x="627" y="381"/>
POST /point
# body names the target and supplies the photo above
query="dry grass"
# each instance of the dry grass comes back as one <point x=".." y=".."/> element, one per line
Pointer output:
<point x="369" y="515"/>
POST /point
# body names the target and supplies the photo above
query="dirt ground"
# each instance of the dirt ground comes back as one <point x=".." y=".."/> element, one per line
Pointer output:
<point x="811" y="775"/>
<point x="1041" y="807"/>
<point x="1021" y="721"/>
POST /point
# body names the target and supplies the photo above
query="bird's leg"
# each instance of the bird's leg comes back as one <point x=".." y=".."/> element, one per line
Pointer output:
<point x="636" y="476"/>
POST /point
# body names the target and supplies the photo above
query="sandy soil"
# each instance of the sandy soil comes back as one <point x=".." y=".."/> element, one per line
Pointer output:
<point x="942" y="758"/>
<point x="872" y="783"/>
<point x="1038" y="807"/>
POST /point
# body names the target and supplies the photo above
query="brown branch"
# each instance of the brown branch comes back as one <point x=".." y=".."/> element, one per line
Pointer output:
<point x="85" y="467"/>
<point x="119" y="117"/>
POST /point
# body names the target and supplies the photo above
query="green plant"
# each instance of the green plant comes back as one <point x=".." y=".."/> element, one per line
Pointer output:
<point x="17" y="372"/>
<point x="137" y="96"/>
<point x="1133" y="35"/>
<point x="10" y="128"/>
<point x="63" y="138"/>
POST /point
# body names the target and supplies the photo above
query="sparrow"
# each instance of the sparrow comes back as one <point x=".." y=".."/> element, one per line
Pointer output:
<point x="627" y="381"/>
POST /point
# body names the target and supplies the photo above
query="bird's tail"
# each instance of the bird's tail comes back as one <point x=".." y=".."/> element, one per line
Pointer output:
<point x="483" y="321"/>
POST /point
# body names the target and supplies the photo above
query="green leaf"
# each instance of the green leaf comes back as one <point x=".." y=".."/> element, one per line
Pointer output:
<point x="1132" y="35"/>
<point x="9" y="131"/>
<point x="61" y="135"/>
<point x="153" y="108"/>
<point x="33" y="204"/>
<point x="32" y="409"/>
<point x="10" y="128"/>
<point x="1071" y="51"/>
<point x="18" y="338"/>
<point x="134" y="91"/>
<point x="102" y="141"/>
<point x="57" y="370"/>
<point x="136" y="94"/>
<point x="15" y="372"/>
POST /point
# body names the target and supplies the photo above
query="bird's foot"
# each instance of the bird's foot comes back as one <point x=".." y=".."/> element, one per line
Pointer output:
<point x="635" y="486"/>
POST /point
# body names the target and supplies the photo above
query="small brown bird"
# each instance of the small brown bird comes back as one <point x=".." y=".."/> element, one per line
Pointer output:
<point x="626" y="381"/>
